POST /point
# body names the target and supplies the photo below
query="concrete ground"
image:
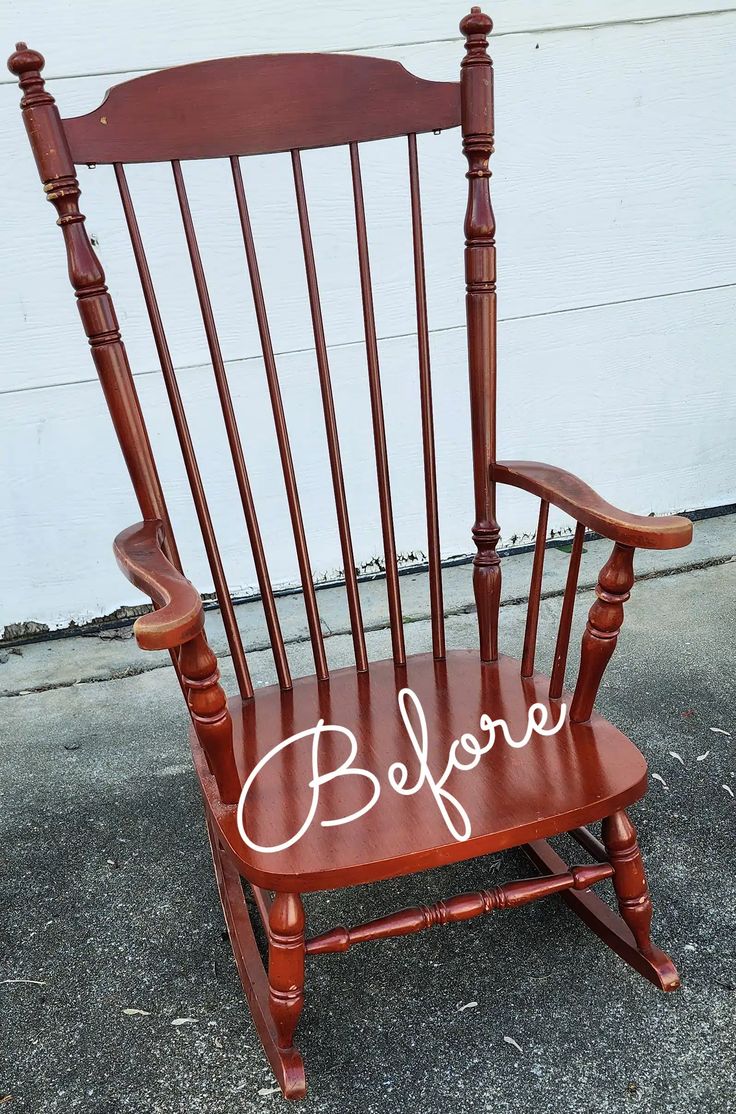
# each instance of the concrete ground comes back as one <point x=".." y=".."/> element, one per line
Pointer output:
<point x="109" y="905"/>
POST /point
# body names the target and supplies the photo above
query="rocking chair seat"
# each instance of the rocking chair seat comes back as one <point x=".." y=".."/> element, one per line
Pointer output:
<point x="581" y="774"/>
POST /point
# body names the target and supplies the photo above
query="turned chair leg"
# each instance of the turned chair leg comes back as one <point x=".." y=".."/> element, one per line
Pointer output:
<point x="286" y="965"/>
<point x="629" y="881"/>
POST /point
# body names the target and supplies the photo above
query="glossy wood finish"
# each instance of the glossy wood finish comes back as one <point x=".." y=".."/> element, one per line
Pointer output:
<point x="377" y="415"/>
<point x="178" y="623"/>
<point x="586" y="772"/>
<point x="286" y="964"/>
<point x="629" y="880"/>
<point x="211" y="719"/>
<point x="287" y="1064"/>
<point x="185" y="439"/>
<point x="557" y="678"/>
<point x="572" y="495"/>
<point x="436" y="606"/>
<point x="508" y="896"/>
<point x="328" y="408"/>
<point x="615" y="581"/>
<point x="655" y="966"/>
<point x="582" y="774"/>
<point x="535" y="593"/>
<point x="139" y="552"/>
<point x="282" y="438"/>
<point x="228" y="415"/>
<point x="57" y="172"/>
<point x="476" y="84"/>
<point x="591" y="843"/>
<point x="259" y="104"/>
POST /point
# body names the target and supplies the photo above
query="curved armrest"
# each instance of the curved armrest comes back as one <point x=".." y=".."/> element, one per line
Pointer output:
<point x="180" y="615"/>
<point x="570" y="494"/>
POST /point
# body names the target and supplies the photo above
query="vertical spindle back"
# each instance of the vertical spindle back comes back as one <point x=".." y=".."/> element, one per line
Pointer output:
<point x="287" y="103"/>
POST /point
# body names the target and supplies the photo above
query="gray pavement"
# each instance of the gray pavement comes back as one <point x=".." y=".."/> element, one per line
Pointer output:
<point x="108" y="902"/>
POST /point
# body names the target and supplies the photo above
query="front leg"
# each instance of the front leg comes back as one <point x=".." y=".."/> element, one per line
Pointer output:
<point x="629" y="880"/>
<point x="286" y="964"/>
<point x="602" y="629"/>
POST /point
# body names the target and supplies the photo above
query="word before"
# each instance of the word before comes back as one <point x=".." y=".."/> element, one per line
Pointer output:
<point x="465" y="754"/>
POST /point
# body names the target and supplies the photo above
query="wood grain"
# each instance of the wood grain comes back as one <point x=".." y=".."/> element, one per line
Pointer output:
<point x="140" y="556"/>
<point x="277" y="102"/>
<point x="563" y="248"/>
<point x="580" y="773"/>
<point x="573" y="495"/>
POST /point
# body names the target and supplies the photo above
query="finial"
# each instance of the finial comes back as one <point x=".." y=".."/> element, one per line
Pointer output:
<point x="476" y="23"/>
<point x="24" y="61"/>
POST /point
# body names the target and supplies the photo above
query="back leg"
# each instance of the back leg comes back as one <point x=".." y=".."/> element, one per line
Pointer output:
<point x="627" y="933"/>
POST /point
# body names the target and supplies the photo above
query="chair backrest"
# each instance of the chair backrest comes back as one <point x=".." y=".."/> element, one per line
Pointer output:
<point x="283" y="103"/>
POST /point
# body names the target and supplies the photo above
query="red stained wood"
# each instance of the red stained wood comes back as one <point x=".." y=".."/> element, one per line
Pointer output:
<point x="210" y="715"/>
<point x="602" y="629"/>
<point x="286" y="965"/>
<point x="510" y="895"/>
<point x="50" y="146"/>
<point x="535" y="593"/>
<point x="557" y="679"/>
<point x="377" y="415"/>
<point x="588" y="771"/>
<point x="185" y="440"/>
<point x="139" y="552"/>
<point x="287" y="1064"/>
<point x="553" y="784"/>
<point x="476" y="83"/>
<point x="231" y="424"/>
<point x="259" y="104"/>
<point x="657" y="967"/>
<point x="425" y="389"/>
<point x="572" y="495"/>
<point x="591" y="844"/>
<point x="282" y="437"/>
<point x="328" y="407"/>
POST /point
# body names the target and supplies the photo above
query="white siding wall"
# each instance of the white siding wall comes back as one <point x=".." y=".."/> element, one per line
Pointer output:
<point x="615" y="195"/>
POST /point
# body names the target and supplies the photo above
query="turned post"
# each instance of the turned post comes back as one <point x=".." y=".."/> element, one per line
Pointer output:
<point x="286" y="964"/>
<point x="602" y="629"/>
<point x="629" y="879"/>
<point x="57" y="172"/>
<point x="476" y="90"/>
<point x="208" y="707"/>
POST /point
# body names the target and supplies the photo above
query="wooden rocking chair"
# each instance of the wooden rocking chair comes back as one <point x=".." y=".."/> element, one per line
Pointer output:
<point x="516" y="797"/>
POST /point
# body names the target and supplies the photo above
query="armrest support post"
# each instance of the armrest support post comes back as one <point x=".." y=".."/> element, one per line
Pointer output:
<point x="487" y="587"/>
<point x="605" y="618"/>
<point x="177" y="624"/>
<point x="210" y="716"/>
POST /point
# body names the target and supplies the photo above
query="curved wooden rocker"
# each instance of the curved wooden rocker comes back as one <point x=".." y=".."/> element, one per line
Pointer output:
<point x="257" y="792"/>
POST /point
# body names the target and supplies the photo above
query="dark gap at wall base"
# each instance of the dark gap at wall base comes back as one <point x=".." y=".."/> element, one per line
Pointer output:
<point x="115" y="621"/>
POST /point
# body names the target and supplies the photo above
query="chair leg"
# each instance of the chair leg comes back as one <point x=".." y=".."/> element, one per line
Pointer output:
<point x="629" y="881"/>
<point x="286" y="1061"/>
<point x="631" y="890"/>
<point x="286" y="964"/>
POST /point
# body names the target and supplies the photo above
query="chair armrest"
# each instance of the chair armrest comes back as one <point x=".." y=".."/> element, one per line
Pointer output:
<point x="179" y="616"/>
<point x="572" y="495"/>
